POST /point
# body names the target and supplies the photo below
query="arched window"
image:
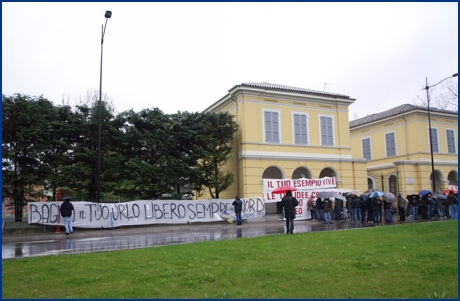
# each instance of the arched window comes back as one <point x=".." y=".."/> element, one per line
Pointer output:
<point x="392" y="184"/>
<point x="272" y="173"/>
<point x="301" y="172"/>
<point x="438" y="180"/>
<point x="327" y="172"/>
<point x="370" y="183"/>
<point x="453" y="178"/>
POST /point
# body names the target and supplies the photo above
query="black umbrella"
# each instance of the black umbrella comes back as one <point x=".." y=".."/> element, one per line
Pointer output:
<point x="440" y="196"/>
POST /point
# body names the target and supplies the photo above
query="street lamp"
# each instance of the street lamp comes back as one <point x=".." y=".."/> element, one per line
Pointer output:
<point x="429" y="125"/>
<point x="381" y="177"/>
<point x="108" y="15"/>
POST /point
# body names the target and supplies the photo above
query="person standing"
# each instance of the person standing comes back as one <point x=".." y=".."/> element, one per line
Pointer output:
<point x="376" y="209"/>
<point x="338" y="208"/>
<point x="319" y="209"/>
<point x="370" y="216"/>
<point x="327" y="208"/>
<point x="439" y="208"/>
<point x="238" y="204"/>
<point x="414" y="203"/>
<point x="66" y="213"/>
<point x="426" y="199"/>
<point x="387" y="210"/>
<point x="312" y="207"/>
<point x="357" y="215"/>
<point x="289" y="203"/>
<point x="350" y="207"/>
<point x="402" y="203"/>
<point x="452" y="201"/>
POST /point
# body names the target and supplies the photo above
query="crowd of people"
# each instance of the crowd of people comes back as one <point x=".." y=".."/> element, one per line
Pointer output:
<point x="369" y="209"/>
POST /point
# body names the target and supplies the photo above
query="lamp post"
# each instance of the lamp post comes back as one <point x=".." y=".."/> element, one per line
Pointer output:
<point x="429" y="126"/>
<point x="381" y="177"/>
<point x="108" y="15"/>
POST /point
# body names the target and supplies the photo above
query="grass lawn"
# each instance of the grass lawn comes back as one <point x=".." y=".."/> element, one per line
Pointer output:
<point x="417" y="260"/>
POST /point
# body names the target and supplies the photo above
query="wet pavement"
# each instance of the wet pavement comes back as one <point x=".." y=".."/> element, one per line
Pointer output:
<point x="82" y="241"/>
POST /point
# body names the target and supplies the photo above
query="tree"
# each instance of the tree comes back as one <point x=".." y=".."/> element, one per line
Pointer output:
<point x="26" y="131"/>
<point x="146" y="150"/>
<point x="212" y="147"/>
<point x="57" y="155"/>
<point x="82" y="171"/>
<point x="444" y="96"/>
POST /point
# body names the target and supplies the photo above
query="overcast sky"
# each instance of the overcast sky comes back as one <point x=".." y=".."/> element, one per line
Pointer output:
<point x="186" y="56"/>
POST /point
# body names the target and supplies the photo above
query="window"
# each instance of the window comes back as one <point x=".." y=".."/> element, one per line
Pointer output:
<point x="271" y="126"/>
<point x="300" y="129"/>
<point x="434" y="140"/>
<point x="390" y="144"/>
<point x="392" y="183"/>
<point x="370" y="183"/>
<point x="366" y="148"/>
<point x="327" y="134"/>
<point x="450" y="141"/>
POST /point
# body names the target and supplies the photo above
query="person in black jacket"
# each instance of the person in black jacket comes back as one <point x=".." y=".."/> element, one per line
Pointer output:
<point x="370" y="212"/>
<point x="319" y="209"/>
<point x="66" y="213"/>
<point x="357" y="214"/>
<point x="238" y="204"/>
<point x="376" y="209"/>
<point x="289" y="203"/>
<point x="387" y="210"/>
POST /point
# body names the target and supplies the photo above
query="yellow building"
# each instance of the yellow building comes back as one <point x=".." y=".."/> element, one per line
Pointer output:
<point x="396" y="145"/>
<point x="289" y="133"/>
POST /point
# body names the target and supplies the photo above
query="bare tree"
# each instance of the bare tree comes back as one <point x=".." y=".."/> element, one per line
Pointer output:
<point x="444" y="96"/>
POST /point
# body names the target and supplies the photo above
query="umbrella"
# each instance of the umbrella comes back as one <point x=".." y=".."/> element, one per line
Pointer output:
<point x="451" y="188"/>
<point x="340" y="197"/>
<point x="355" y="192"/>
<point x="389" y="197"/>
<point x="364" y="196"/>
<point x="376" y="194"/>
<point x="68" y="197"/>
<point x="325" y="194"/>
<point x="413" y="196"/>
<point x="423" y="192"/>
<point x="283" y="189"/>
<point x="440" y="196"/>
<point x="369" y="191"/>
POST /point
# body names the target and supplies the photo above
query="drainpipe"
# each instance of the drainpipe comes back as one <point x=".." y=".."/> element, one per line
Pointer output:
<point x="405" y="135"/>
<point x="235" y="99"/>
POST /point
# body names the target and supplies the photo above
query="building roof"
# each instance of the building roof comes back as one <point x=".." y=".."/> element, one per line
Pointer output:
<point x="394" y="111"/>
<point x="289" y="88"/>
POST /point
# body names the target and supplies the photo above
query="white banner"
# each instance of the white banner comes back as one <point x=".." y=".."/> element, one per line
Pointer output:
<point x="303" y="211"/>
<point x="303" y="186"/>
<point x="102" y="215"/>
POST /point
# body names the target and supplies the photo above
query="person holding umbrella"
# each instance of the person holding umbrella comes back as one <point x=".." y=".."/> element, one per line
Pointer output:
<point x="387" y="210"/>
<point x="327" y="208"/>
<point x="289" y="203"/>
<point x="376" y="209"/>
<point x="319" y="209"/>
<point x="426" y="199"/>
<point x="414" y="202"/>
<point x="356" y="203"/>
<point x="402" y="204"/>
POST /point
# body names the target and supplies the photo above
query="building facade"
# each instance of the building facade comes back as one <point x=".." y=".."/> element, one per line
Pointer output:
<point x="396" y="145"/>
<point x="289" y="133"/>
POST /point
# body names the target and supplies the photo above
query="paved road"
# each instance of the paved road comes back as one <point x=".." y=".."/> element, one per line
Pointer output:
<point x="81" y="241"/>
